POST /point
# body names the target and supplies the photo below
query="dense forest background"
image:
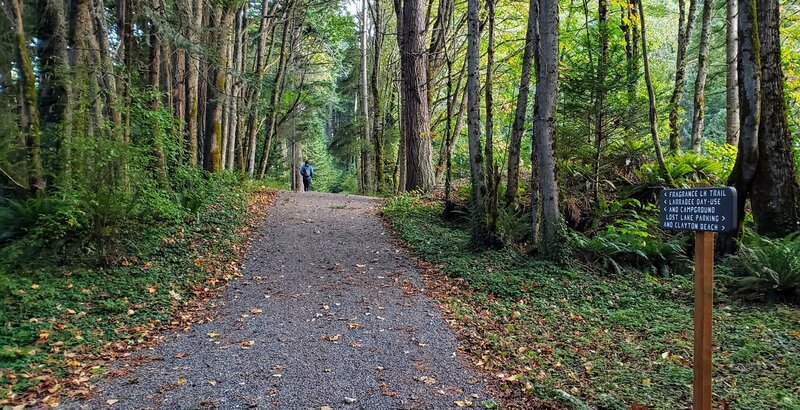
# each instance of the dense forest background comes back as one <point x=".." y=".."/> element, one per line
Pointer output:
<point x="131" y="130"/>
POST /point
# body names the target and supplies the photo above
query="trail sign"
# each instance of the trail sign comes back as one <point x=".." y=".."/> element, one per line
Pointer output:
<point x="705" y="211"/>
<point x="698" y="209"/>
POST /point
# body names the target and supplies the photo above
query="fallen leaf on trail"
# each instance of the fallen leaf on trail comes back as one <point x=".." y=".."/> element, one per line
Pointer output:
<point x="147" y="265"/>
<point x="182" y="355"/>
<point x="51" y="401"/>
<point x="332" y="338"/>
<point x="357" y="345"/>
<point x="463" y="403"/>
<point x="212" y="382"/>
<point x="181" y="380"/>
<point x="111" y="401"/>
<point x="428" y="380"/>
<point x="213" y="335"/>
<point x="256" y="311"/>
<point x="325" y="307"/>
<point x="70" y="312"/>
<point x="246" y="344"/>
<point x="358" y="265"/>
<point x="60" y="326"/>
<point x="390" y="393"/>
<point x="55" y="388"/>
<point x="152" y="289"/>
<point x="131" y="312"/>
<point x="325" y="408"/>
<point x="175" y="295"/>
<point x="512" y="378"/>
<point x="795" y="334"/>
<point x="664" y="355"/>
<point x="355" y="325"/>
<point x="44" y="335"/>
<point x="34" y="286"/>
<point x="646" y="382"/>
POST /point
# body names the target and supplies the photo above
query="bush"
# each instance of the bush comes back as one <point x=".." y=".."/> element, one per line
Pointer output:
<point x="766" y="269"/>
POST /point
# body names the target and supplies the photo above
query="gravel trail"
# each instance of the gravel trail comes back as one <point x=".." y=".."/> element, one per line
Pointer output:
<point x="329" y="314"/>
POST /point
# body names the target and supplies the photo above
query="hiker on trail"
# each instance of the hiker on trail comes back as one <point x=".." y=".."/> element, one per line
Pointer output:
<point x="307" y="171"/>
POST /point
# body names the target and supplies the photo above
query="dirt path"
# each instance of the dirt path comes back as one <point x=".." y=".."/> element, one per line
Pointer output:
<point x="329" y="313"/>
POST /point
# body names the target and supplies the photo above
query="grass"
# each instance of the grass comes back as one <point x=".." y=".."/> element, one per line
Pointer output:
<point x="609" y="342"/>
<point x="60" y="325"/>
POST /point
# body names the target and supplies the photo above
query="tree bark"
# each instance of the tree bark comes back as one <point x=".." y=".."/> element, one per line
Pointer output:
<point x="377" y="130"/>
<point x="552" y="241"/>
<point x="518" y="128"/>
<point x="266" y="31"/>
<point x="684" y="36"/>
<point x="775" y="191"/>
<point x="698" y="117"/>
<point x="287" y="43"/>
<point x="31" y="118"/>
<point x="731" y="77"/>
<point x="492" y="177"/>
<point x="478" y="210"/>
<point x="653" y="114"/>
<point x="56" y="97"/>
<point x="749" y="76"/>
<point x="416" y="114"/>
<point x="600" y="100"/>
<point x="193" y="86"/>
<point x="366" y="185"/>
<point x="222" y="20"/>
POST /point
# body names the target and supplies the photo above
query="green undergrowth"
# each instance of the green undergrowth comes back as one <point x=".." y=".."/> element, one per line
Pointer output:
<point x="604" y="340"/>
<point x="55" y="318"/>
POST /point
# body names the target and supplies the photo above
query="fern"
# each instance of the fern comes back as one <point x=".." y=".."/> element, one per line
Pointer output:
<point x="767" y="269"/>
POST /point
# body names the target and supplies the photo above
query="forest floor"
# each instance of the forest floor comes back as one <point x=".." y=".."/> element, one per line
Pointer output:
<point x="329" y="314"/>
<point x="585" y="338"/>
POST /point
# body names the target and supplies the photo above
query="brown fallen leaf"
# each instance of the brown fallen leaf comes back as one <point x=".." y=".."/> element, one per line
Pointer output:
<point x="111" y="401"/>
<point x="355" y="325"/>
<point x="182" y="355"/>
<point x="333" y="338"/>
<point x="428" y="380"/>
<point x="246" y="344"/>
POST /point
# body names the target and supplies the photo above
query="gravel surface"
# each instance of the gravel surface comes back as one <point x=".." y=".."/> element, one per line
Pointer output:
<point x="329" y="314"/>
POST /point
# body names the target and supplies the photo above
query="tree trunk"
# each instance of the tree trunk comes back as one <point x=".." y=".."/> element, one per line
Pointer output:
<point x="749" y="75"/>
<point x="56" y="98"/>
<point x="775" y="191"/>
<point x="518" y="128"/>
<point x="731" y="77"/>
<point x="366" y="185"/>
<point x="684" y="36"/>
<point x="492" y="178"/>
<point x="107" y="69"/>
<point x="600" y="100"/>
<point x="262" y="57"/>
<point x="416" y="114"/>
<point x="698" y="117"/>
<point x="277" y="93"/>
<point x="653" y="114"/>
<point x="193" y="87"/>
<point x="221" y="26"/>
<point x="552" y="241"/>
<point x="157" y="145"/>
<point x="478" y="209"/>
<point x="32" y="128"/>
<point x="377" y="130"/>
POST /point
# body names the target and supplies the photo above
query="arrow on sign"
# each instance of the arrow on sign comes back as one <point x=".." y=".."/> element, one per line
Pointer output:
<point x="723" y="220"/>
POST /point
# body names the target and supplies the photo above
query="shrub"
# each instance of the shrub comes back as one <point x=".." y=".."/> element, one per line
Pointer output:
<point x="767" y="269"/>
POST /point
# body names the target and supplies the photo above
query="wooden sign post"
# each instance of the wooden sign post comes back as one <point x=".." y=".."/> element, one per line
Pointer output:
<point x="705" y="211"/>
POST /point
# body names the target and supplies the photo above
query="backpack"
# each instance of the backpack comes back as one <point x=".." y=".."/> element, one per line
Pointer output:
<point x="304" y="171"/>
